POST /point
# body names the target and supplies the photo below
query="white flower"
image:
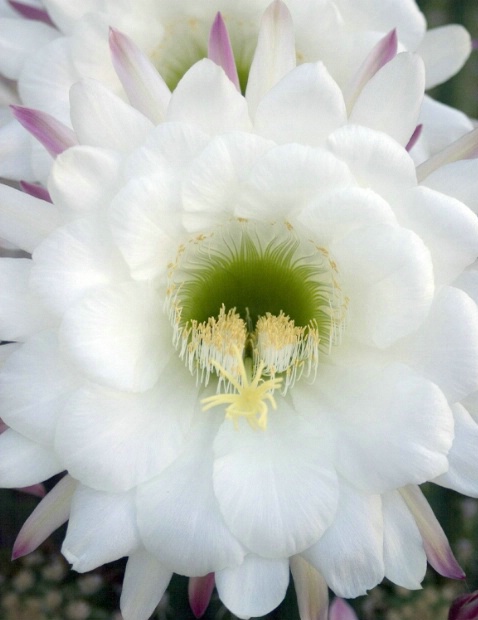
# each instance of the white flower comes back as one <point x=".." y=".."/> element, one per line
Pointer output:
<point x="47" y="59"/>
<point x="246" y="332"/>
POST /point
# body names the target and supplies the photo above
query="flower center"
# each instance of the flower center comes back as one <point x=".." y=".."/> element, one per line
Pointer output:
<point x="185" y="42"/>
<point x="250" y="300"/>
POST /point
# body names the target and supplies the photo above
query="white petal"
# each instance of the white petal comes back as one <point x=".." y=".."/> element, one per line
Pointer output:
<point x="287" y="178"/>
<point x="74" y="260"/>
<point x="458" y="179"/>
<point x="169" y="149"/>
<point x="293" y="498"/>
<point x="15" y="152"/>
<point x="444" y="350"/>
<point x="22" y="313"/>
<point x="24" y="462"/>
<point x="392" y="427"/>
<point x="441" y="125"/>
<point x="311" y="590"/>
<point x="350" y="553"/>
<point x="338" y="213"/>
<point x="35" y="382"/>
<point x="462" y="475"/>
<point x="67" y="15"/>
<point x="101" y="528"/>
<point x="449" y="229"/>
<point x="305" y="106"/>
<point x="84" y="178"/>
<point x="144" y="86"/>
<point x="207" y="98"/>
<point x="444" y="51"/>
<point x="390" y="101"/>
<point x="52" y="512"/>
<point x="178" y="514"/>
<point x="100" y="118"/>
<point x="145" y="582"/>
<point x="254" y="588"/>
<point x="145" y="223"/>
<point x="274" y="55"/>
<point x="25" y="221"/>
<point x="388" y="276"/>
<point x="404" y="556"/>
<point x="118" y="336"/>
<point x="142" y="433"/>
<point x="19" y="39"/>
<point x="211" y="188"/>
<point x="375" y="159"/>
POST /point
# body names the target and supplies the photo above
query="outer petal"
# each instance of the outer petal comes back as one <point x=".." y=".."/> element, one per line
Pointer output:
<point x="376" y="160"/>
<point x="311" y="590"/>
<point x="49" y="515"/>
<point x="145" y="582"/>
<point x="350" y="553"/>
<point x="462" y="475"/>
<point x="305" y="106"/>
<point x="21" y="312"/>
<point x="395" y="115"/>
<point x="35" y="383"/>
<point x="392" y="426"/>
<point x="444" y="51"/>
<point x="25" y="221"/>
<point x="142" y="433"/>
<point x="100" y="118"/>
<point x="84" y="178"/>
<point x="285" y="179"/>
<point x="76" y="259"/>
<point x="293" y="498"/>
<point x="145" y="223"/>
<point x="388" y="276"/>
<point x="19" y="39"/>
<point x="24" y="462"/>
<point x="207" y="98"/>
<point x="179" y="517"/>
<point x="117" y="336"/>
<point x="255" y="587"/>
<point x="274" y="55"/>
<point x="101" y="528"/>
<point x="444" y="349"/>
<point x="404" y="556"/>
<point x="449" y="229"/>
<point x="458" y="179"/>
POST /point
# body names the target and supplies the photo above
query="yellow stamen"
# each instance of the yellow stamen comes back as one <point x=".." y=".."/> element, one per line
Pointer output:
<point x="252" y="397"/>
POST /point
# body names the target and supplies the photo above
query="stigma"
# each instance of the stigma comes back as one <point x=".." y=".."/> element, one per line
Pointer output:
<point x="252" y="396"/>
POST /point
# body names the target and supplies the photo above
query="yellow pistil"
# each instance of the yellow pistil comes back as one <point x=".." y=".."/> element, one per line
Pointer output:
<point x="252" y="397"/>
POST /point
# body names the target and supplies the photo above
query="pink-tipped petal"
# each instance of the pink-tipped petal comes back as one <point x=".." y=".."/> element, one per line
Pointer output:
<point x="35" y="190"/>
<point x="220" y="50"/>
<point x="274" y="55"/>
<point x="51" y="512"/>
<point x="414" y="137"/>
<point x="465" y="147"/>
<point x="31" y="12"/>
<point x="435" y="542"/>
<point x="54" y="136"/>
<point x="200" y="590"/>
<point x="3" y="426"/>
<point x="464" y="607"/>
<point x="381" y="53"/>
<point x="340" y="610"/>
<point x="310" y="588"/>
<point x="145" y="88"/>
<point x="38" y="490"/>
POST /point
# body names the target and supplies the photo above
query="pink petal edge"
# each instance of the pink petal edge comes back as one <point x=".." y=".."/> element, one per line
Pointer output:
<point x="220" y="50"/>
<point x="31" y="12"/>
<point x="54" y="135"/>
<point x="37" y="191"/>
<point x="200" y="590"/>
